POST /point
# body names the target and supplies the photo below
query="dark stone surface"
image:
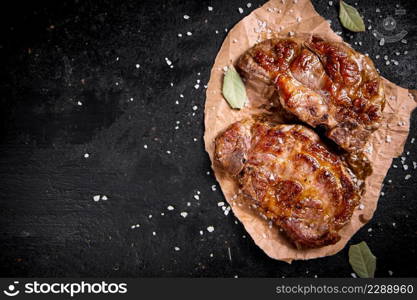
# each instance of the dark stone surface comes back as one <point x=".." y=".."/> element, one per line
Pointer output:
<point x="54" y="54"/>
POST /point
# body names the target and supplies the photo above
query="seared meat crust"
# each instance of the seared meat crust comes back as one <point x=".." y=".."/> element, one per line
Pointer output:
<point x="322" y="83"/>
<point x="291" y="178"/>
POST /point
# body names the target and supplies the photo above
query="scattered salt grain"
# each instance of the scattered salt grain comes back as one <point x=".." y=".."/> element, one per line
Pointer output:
<point x="196" y="197"/>
<point x="382" y="42"/>
<point x="170" y="207"/>
<point x="86" y="155"/>
<point x="145" y="146"/>
<point x="240" y="10"/>
<point x="210" y="8"/>
<point x="186" y="17"/>
<point x="79" y="103"/>
<point x="210" y="229"/>
<point x="408" y="176"/>
<point x="189" y="33"/>
<point x="177" y="248"/>
<point x="213" y="187"/>
<point x="226" y="211"/>
<point x="137" y="66"/>
<point x="184" y="214"/>
<point x="195" y="107"/>
<point x="96" y="198"/>
<point x="104" y="198"/>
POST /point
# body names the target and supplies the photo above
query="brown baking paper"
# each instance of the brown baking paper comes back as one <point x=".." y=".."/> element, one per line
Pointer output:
<point x="297" y="18"/>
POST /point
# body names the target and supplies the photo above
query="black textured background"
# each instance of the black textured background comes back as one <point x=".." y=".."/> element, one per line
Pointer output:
<point x="56" y="53"/>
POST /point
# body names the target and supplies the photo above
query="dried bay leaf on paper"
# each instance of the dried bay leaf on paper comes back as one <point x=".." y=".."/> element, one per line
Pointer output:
<point x="233" y="89"/>
<point x="263" y="23"/>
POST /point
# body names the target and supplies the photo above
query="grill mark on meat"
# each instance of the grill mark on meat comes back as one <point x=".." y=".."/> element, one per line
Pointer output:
<point x="291" y="178"/>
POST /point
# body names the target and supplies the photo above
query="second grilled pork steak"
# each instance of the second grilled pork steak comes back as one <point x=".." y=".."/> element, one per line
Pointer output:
<point x="291" y="178"/>
<point x="324" y="84"/>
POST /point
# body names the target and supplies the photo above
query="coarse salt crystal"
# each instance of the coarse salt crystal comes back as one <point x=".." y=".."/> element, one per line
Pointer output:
<point x="86" y="155"/>
<point x="184" y="214"/>
<point x="186" y="17"/>
<point x="96" y="198"/>
<point x="382" y="42"/>
<point x="210" y="8"/>
<point x="170" y="207"/>
<point x="240" y="10"/>
<point x="210" y="229"/>
<point x="177" y="248"/>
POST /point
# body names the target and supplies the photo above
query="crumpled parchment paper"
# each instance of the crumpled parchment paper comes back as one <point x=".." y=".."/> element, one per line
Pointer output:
<point x="296" y="18"/>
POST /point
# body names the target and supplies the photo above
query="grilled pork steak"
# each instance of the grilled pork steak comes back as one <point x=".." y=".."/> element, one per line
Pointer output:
<point x="291" y="177"/>
<point x="322" y="83"/>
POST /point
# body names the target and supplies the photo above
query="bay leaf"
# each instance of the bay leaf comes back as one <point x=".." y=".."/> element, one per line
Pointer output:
<point x="350" y="18"/>
<point x="233" y="89"/>
<point x="362" y="260"/>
